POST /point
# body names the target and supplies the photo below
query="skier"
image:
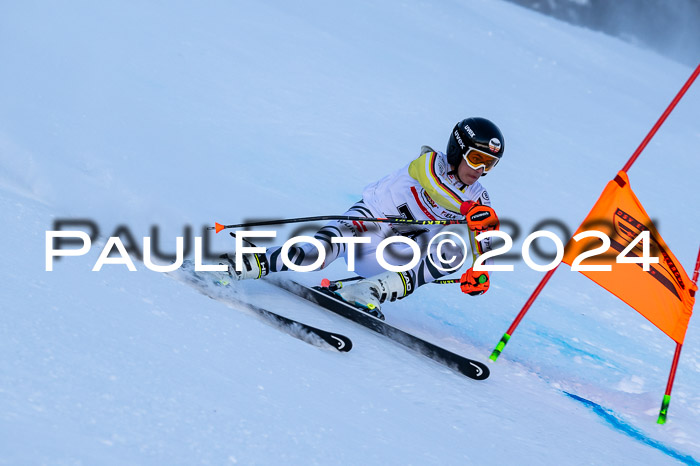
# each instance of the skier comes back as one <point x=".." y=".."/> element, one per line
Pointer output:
<point x="435" y="186"/>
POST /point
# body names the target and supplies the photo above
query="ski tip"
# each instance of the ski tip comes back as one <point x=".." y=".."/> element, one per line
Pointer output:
<point x="218" y="227"/>
<point x="477" y="371"/>
<point x="343" y="343"/>
<point x="325" y="283"/>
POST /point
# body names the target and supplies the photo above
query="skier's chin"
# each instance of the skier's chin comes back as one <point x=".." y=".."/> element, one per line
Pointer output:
<point x="470" y="179"/>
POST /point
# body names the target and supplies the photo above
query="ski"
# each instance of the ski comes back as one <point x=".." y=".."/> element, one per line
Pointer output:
<point x="326" y="299"/>
<point x="216" y="287"/>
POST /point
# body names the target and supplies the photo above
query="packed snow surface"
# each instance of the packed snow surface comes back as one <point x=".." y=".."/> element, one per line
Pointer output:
<point x="174" y="114"/>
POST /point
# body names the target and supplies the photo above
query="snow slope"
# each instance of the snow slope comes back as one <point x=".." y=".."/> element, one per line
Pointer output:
<point x="175" y="114"/>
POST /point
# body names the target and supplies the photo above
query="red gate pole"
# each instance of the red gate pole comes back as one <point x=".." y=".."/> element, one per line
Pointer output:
<point x="661" y="120"/>
<point x="669" y="385"/>
<point x="506" y="336"/>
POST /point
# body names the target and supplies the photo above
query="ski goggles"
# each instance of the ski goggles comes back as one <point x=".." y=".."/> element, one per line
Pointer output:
<point x="476" y="159"/>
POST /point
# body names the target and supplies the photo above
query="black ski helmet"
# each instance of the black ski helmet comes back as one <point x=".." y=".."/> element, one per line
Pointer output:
<point x="478" y="133"/>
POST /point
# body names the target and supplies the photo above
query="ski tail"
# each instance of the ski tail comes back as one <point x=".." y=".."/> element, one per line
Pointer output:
<point x="216" y="286"/>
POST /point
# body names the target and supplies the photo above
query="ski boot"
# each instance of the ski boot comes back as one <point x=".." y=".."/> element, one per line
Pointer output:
<point x="254" y="266"/>
<point x="369" y="293"/>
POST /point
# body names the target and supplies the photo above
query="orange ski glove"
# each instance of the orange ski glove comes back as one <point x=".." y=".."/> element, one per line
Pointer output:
<point x="474" y="283"/>
<point x="480" y="218"/>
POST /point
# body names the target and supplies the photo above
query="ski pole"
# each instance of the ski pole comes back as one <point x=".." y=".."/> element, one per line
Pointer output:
<point x="464" y="208"/>
<point x="218" y="227"/>
<point x="336" y="284"/>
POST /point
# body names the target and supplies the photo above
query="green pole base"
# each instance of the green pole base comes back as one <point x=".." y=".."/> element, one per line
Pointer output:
<point x="499" y="347"/>
<point x="664" y="410"/>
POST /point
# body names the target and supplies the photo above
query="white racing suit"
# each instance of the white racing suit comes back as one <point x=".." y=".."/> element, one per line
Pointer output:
<point x="425" y="189"/>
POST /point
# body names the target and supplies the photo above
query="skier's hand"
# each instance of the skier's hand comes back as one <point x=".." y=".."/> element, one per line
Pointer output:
<point x="481" y="218"/>
<point x="474" y="283"/>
